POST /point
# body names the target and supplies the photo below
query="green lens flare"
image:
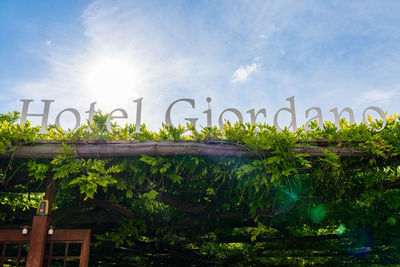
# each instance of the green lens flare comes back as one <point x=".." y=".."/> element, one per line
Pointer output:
<point x="318" y="214"/>
<point x="341" y="229"/>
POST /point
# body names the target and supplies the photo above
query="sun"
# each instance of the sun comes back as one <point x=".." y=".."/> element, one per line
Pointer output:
<point x="109" y="78"/>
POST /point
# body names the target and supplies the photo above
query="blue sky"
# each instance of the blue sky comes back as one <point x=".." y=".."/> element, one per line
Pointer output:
<point x="242" y="54"/>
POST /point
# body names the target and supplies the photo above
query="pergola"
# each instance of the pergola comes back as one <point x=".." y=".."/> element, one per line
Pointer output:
<point x="38" y="235"/>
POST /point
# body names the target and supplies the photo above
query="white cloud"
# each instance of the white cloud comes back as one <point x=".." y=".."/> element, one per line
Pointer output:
<point x="243" y="73"/>
<point x="48" y="43"/>
<point x="379" y="96"/>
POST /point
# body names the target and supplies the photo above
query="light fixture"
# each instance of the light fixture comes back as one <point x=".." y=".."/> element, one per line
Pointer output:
<point x="51" y="230"/>
<point x="25" y="229"/>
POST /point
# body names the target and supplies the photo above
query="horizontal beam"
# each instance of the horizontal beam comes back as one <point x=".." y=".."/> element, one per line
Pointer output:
<point x="127" y="148"/>
<point x="71" y="235"/>
<point x="14" y="236"/>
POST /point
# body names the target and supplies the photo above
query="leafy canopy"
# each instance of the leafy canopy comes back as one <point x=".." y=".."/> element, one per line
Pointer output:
<point x="285" y="208"/>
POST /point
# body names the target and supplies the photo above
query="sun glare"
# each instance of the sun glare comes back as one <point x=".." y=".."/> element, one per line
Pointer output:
<point x="110" y="78"/>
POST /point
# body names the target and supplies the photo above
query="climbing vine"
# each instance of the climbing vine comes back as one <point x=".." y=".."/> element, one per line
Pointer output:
<point x="279" y="207"/>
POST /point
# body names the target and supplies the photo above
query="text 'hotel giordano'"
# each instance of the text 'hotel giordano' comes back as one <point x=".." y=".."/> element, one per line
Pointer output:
<point x="252" y="114"/>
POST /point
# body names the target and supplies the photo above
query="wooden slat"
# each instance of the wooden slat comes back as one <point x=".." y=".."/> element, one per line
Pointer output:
<point x="126" y="148"/>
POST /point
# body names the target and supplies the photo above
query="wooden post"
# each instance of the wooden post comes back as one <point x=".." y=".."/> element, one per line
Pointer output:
<point x="85" y="249"/>
<point x="49" y="194"/>
<point x="37" y="241"/>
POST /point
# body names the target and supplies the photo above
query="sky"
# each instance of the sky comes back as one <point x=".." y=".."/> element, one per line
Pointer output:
<point x="242" y="54"/>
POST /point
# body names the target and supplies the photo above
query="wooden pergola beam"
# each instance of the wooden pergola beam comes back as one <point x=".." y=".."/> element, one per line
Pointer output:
<point x="127" y="148"/>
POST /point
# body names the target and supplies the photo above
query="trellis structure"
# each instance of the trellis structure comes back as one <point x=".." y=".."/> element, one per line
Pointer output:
<point x="14" y="240"/>
<point x="97" y="149"/>
<point x="35" y="245"/>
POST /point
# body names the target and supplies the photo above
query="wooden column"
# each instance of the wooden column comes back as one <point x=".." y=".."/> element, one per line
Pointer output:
<point x="37" y="241"/>
<point x="49" y="194"/>
<point x="85" y="249"/>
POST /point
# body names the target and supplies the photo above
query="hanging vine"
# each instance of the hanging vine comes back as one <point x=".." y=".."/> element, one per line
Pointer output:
<point x="277" y="208"/>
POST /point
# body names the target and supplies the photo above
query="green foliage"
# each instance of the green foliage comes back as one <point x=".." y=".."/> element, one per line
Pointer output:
<point x="37" y="169"/>
<point x="88" y="174"/>
<point x="23" y="201"/>
<point x="13" y="134"/>
<point x="392" y="198"/>
<point x="218" y="210"/>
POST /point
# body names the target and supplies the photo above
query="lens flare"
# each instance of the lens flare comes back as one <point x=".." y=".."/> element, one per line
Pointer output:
<point x="357" y="242"/>
<point x="318" y="214"/>
<point x="341" y="229"/>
